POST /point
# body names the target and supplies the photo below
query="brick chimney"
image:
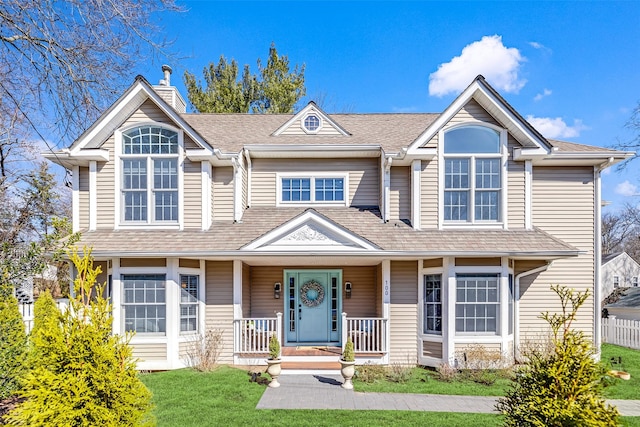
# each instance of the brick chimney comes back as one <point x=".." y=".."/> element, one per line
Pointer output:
<point x="169" y="93"/>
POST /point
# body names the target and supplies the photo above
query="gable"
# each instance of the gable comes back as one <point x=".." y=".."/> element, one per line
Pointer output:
<point x="299" y="123"/>
<point x="310" y="232"/>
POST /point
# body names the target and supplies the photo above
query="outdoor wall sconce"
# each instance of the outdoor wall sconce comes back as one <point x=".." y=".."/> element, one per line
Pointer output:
<point x="277" y="287"/>
<point x="347" y="289"/>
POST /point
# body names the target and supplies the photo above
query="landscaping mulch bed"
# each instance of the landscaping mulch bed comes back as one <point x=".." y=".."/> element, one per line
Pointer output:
<point x="7" y="405"/>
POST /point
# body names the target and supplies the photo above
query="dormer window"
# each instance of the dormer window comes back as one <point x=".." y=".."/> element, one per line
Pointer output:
<point x="473" y="175"/>
<point x="311" y="123"/>
<point x="149" y="173"/>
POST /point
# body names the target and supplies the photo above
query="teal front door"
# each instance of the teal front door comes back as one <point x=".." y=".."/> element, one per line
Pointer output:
<point x="313" y="306"/>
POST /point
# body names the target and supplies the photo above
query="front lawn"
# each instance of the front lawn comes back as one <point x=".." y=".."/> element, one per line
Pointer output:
<point x="226" y="397"/>
<point x="621" y="389"/>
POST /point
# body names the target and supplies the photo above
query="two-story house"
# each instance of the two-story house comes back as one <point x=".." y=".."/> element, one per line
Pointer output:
<point x="417" y="235"/>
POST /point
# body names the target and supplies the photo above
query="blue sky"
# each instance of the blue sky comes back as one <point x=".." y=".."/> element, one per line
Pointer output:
<point x="571" y="68"/>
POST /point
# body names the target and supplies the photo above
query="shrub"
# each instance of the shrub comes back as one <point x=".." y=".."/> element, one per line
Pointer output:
<point x="204" y="351"/>
<point x="274" y="347"/>
<point x="562" y="388"/>
<point x="399" y="373"/>
<point x="446" y="372"/>
<point x="369" y="373"/>
<point x="82" y="374"/>
<point x="348" y="354"/>
<point x="13" y="345"/>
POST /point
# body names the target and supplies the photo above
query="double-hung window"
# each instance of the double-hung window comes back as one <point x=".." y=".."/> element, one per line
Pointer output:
<point x="149" y="175"/>
<point x="312" y="189"/>
<point x="472" y="175"/>
<point x="616" y="281"/>
<point x="144" y="303"/>
<point x="478" y="304"/>
<point x="432" y="304"/>
<point x="189" y="303"/>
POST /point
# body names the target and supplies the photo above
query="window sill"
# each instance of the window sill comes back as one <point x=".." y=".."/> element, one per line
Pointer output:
<point x="476" y="225"/>
<point x="146" y="226"/>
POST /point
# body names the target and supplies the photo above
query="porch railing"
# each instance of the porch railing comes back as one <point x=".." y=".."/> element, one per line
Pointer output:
<point x="369" y="334"/>
<point x="251" y="335"/>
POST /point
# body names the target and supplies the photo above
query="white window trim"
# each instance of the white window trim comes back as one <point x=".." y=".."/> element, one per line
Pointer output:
<point x="443" y="279"/>
<point x="504" y="158"/>
<point x="616" y="282"/>
<point x="304" y="117"/>
<point x="312" y="176"/>
<point x="129" y="271"/>
<point x="186" y="271"/>
<point x="119" y="222"/>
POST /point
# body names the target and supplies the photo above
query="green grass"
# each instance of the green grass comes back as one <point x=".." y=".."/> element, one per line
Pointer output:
<point x="621" y="389"/>
<point x="226" y="397"/>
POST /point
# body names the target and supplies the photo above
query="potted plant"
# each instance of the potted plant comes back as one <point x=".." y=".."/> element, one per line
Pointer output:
<point x="273" y="362"/>
<point x="348" y="361"/>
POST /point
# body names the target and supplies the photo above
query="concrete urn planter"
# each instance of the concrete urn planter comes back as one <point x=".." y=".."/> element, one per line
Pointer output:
<point x="347" y="370"/>
<point x="274" y="369"/>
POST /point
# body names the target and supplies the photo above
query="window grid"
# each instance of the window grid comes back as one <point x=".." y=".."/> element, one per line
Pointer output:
<point x="311" y="123"/>
<point x="144" y="303"/>
<point x="456" y="195"/>
<point x="477" y="303"/>
<point x="616" y="281"/>
<point x="432" y="305"/>
<point x="189" y="303"/>
<point x="634" y="280"/>
<point x="334" y="304"/>
<point x="150" y="197"/>
<point x="312" y="189"/>
<point x="292" y="304"/>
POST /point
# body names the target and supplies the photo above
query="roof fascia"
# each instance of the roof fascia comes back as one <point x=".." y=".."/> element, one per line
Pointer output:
<point x="135" y="93"/>
<point x="82" y="158"/>
<point x="595" y="158"/>
<point x="482" y="92"/>
<point x="311" y="106"/>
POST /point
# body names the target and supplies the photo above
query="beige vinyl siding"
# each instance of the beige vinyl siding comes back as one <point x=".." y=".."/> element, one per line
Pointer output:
<point x="363" y="178"/>
<point x="400" y="193"/>
<point x="148" y="112"/>
<point x="460" y="349"/>
<point x="478" y="262"/>
<point x="429" y="194"/>
<point x="563" y="206"/>
<point x="188" y="263"/>
<point x="364" y="292"/>
<point x="219" y="303"/>
<point x="262" y="302"/>
<point x="295" y="128"/>
<point x="404" y="311"/>
<point x="525" y="265"/>
<point x="184" y="348"/>
<point x="516" y="189"/>
<point x="223" y="194"/>
<point x="83" y="194"/>
<point x="149" y="352"/>
<point x="105" y="185"/>
<point x="192" y="194"/>
<point x="143" y="262"/>
<point x="473" y="112"/>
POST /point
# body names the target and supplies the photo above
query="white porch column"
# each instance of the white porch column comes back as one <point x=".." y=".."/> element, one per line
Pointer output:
<point x="504" y="307"/>
<point x="237" y="289"/>
<point x="416" y="169"/>
<point x="116" y="296"/>
<point x="173" y="312"/>
<point x="449" y="311"/>
<point x="528" y="173"/>
<point x="386" y="304"/>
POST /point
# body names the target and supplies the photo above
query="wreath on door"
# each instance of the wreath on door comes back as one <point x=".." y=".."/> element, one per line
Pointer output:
<point x="312" y="294"/>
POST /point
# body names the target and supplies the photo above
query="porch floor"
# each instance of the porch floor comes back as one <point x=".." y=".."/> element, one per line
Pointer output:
<point x="315" y="350"/>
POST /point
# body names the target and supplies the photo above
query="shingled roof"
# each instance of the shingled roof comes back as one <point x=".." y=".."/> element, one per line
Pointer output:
<point x="228" y="237"/>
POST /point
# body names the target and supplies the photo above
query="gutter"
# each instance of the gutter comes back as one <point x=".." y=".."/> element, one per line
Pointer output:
<point x="516" y="306"/>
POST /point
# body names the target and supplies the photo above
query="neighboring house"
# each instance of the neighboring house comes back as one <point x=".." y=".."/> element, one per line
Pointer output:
<point x="627" y="306"/>
<point x="619" y="270"/>
<point x="430" y="232"/>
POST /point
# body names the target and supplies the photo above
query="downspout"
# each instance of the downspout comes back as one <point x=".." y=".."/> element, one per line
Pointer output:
<point x="247" y="157"/>
<point x="387" y="189"/>
<point x="597" y="255"/>
<point x="516" y="306"/>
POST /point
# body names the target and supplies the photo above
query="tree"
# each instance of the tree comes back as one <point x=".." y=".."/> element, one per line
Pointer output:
<point x="81" y="374"/>
<point x="563" y="388"/>
<point x="621" y="231"/>
<point x="275" y="90"/>
<point x="62" y="62"/>
<point x="13" y="344"/>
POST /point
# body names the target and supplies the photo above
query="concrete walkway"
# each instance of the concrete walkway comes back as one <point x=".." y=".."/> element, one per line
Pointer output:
<point x="323" y="391"/>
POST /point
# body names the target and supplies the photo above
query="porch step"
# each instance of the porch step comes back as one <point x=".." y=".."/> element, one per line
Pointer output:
<point x="311" y="351"/>
<point x="311" y="366"/>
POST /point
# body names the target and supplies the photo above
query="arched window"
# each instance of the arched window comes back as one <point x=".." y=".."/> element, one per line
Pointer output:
<point x="472" y="174"/>
<point x="149" y="175"/>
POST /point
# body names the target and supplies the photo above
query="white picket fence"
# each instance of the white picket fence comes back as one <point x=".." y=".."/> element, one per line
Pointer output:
<point x="27" y="312"/>
<point x="623" y="332"/>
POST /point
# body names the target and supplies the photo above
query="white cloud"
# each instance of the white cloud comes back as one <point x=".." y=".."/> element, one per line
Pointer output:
<point x="556" y="127"/>
<point x="536" y="45"/>
<point x="626" y="189"/>
<point x="546" y="92"/>
<point x="489" y="57"/>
